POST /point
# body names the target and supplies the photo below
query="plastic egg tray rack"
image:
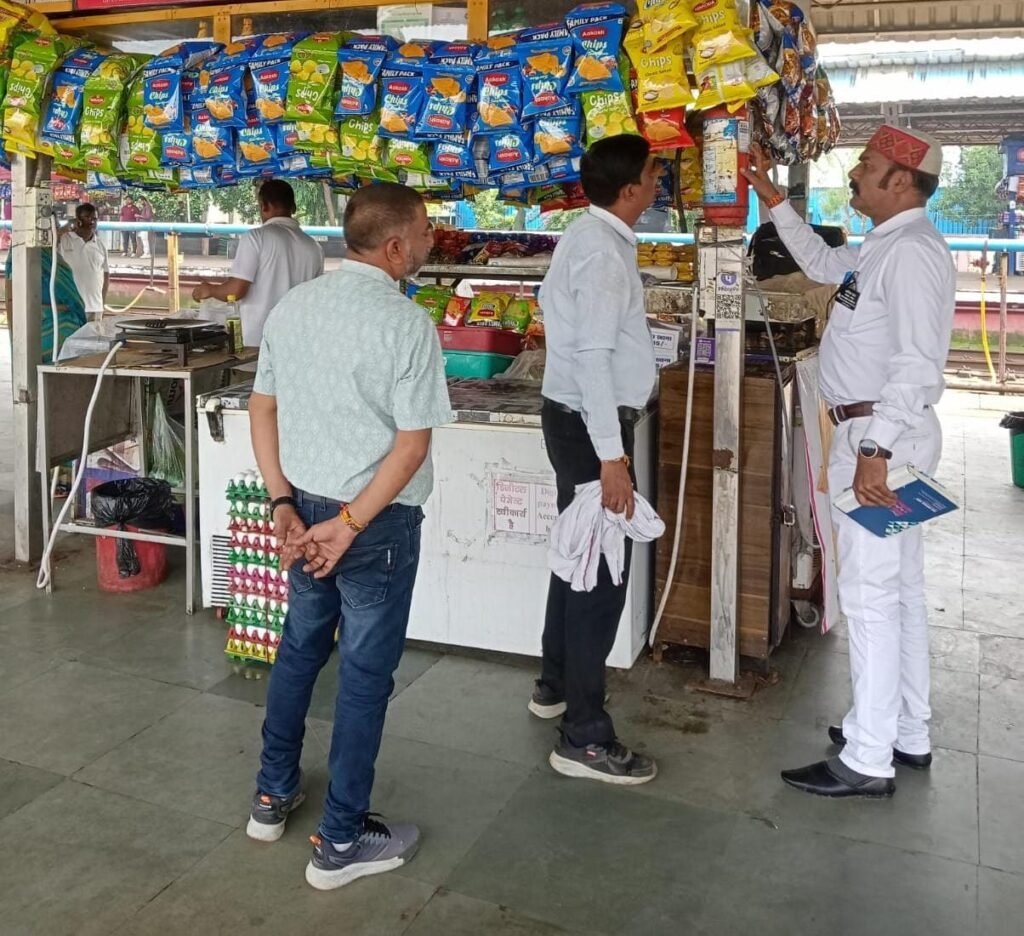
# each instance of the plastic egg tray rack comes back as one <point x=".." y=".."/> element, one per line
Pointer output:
<point x="258" y="587"/>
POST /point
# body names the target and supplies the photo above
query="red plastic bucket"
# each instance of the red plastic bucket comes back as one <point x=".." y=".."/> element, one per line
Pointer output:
<point x="152" y="560"/>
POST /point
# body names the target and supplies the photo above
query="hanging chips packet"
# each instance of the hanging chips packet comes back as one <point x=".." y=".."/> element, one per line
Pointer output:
<point x="499" y="94"/>
<point x="141" y="148"/>
<point x="596" y="30"/>
<point x="447" y="91"/>
<point x="407" y="155"/>
<point x="558" y="133"/>
<point x="270" y="67"/>
<point x="34" y="59"/>
<point x="453" y="155"/>
<point x="163" y="102"/>
<point x="509" y="150"/>
<point x="360" y="69"/>
<point x="212" y="143"/>
<point x="661" y="76"/>
<point x="256" y="144"/>
<point x="402" y="99"/>
<point x="176" y="149"/>
<point x="64" y="111"/>
<point x="313" y="72"/>
<point x="545" y="57"/>
<point x="360" y="141"/>
<point x="103" y="112"/>
<point x="664" y="21"/>
<point x="225" y="84"/>
<point x="608" y="113"/>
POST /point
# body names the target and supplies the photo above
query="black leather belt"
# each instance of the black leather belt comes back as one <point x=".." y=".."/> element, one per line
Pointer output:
<point x="627" y="414"/>
<point x="839" y="414"/>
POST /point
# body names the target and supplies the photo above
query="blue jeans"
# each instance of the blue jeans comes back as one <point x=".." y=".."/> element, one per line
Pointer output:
<point x="367" y="597"/>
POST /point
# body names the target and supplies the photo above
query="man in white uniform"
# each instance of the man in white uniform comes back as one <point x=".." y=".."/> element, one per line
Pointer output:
<point x="881" y="363"/>
<point x="599" y="376"/>
<point x="271" y="260"/>
<point x="86" y="254"/>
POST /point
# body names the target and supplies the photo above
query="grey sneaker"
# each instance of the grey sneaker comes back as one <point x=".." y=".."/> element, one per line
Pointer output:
<point x="545" y="702"/>
<point x="609" y="763"/>
<point x="378" y="849"/>
<point x="268" y="814"/>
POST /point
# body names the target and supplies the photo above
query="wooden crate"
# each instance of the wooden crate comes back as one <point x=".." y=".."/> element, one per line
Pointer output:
<point x="764" y="561"/>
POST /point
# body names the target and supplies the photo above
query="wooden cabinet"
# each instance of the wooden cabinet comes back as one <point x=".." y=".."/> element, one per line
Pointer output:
<point x="764" y="561"/>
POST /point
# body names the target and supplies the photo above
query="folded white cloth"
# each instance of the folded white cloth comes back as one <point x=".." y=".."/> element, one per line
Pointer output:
<point x="586" y="531"/>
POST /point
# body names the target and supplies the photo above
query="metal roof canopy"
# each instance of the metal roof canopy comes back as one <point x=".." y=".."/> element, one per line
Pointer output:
<point x="966" y="122"/>
<point x="861" y="20"/>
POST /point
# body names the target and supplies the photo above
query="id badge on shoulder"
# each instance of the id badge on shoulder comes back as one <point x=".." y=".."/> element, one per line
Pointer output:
<point x="848" y="294"/>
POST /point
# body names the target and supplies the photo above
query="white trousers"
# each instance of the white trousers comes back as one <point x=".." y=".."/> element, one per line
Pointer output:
<point x="881" y="592"/>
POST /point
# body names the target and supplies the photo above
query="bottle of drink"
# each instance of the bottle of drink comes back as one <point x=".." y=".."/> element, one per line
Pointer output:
<point x="233" y="323"/>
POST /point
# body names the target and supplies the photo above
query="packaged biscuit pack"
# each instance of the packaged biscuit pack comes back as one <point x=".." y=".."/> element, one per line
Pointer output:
<point x="141" y="149"/>
<point x="360" y="61"/>
<point x="33" y="61"/>
<point x="313" y="71"/>
<point x="225" y="85"/>
<point x="163" y="102"/>
<point x="103" y="111"/>
<point x="59" y="131"/>
<point x="545" y="60"/>
<point x="596" y="30"/>
<point x="270" y="68"/>
<point x="499" y="93"/>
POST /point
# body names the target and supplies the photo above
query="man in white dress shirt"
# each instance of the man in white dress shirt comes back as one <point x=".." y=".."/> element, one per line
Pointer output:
<point x="599" y="376"/>
<point x="270" y="260"/>
<point x="881" y="362"/>
<point x="86" y="254"/>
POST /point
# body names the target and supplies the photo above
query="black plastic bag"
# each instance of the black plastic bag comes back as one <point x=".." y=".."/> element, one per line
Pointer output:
<point x="771" y="258"/>
<point x="141" y="502"/>
<point x="1013" y="421"/>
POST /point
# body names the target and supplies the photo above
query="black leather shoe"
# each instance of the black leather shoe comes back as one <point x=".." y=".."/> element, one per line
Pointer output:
<point x="821" y="781"/>
<point x="914" y="761"/>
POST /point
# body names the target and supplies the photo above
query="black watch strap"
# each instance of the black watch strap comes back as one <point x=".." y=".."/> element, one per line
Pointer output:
<point x="279" y="501"/>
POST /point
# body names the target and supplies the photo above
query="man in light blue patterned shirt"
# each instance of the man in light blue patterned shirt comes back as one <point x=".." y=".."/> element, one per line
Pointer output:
<point x="349" y="386"/>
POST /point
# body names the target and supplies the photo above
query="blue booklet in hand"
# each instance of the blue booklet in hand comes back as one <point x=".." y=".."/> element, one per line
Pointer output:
<point x="920" y="498"/>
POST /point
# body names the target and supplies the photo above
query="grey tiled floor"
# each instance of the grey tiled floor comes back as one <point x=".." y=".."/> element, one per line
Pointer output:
<point x="128" y="748"/>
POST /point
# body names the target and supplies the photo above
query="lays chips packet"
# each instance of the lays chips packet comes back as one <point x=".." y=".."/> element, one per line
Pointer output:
<point x="545" y="56"/>
<point x="596" y="30"/>
<point x="270" y="67"/>
<point x="313" y="72"/>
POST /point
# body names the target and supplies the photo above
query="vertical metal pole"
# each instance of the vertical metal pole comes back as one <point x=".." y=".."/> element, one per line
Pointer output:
<point x="26" y="355"/>
<point x="174" y="286"/>
<point x="1003" y="257"/>
<point x="190" y="496"/>
<point x="799" y="186"/>
<point x="477" y="19"/>
<point x="721" y="278"/>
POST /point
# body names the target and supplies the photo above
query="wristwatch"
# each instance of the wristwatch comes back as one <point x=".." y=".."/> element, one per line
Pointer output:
<point x="870" y="449"/>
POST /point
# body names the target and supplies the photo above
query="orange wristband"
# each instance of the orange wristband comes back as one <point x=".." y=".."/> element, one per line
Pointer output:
<point x="351" y="521"/>
<point x="777" y="199"/>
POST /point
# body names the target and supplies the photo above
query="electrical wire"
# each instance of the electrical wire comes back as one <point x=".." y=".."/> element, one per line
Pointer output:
<point x="54" y="312"/>
<point x="687" y="423"/>
<point x="43" y="579"/>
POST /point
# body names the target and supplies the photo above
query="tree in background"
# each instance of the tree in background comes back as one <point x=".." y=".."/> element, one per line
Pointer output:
<point x="491" y="214"/>
<point x="969" y="187"/>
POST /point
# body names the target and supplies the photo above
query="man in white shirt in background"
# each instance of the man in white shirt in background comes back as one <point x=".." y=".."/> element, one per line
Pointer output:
<point x="86" y="254"/>
<point x="599" y="376"/>
<point x="270" y="260"/>
<point x="881" y="363"/>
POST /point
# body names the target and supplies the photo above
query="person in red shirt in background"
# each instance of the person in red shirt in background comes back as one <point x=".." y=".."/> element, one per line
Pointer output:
<point x="129" y="239"/>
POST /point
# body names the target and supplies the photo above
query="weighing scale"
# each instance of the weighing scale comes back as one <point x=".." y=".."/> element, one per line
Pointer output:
<point x="181" y="337"/>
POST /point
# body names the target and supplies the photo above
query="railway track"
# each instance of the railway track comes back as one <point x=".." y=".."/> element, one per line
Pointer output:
<point x="971" y="359"/>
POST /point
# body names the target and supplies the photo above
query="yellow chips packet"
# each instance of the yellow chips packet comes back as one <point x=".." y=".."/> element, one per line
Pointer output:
<point x="661" y="75"/>
<point x="663" y="21"/>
